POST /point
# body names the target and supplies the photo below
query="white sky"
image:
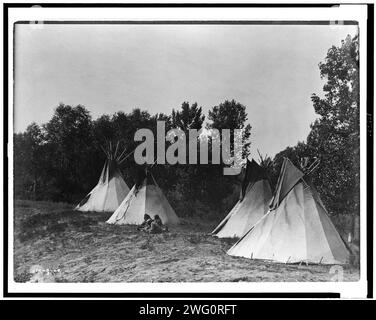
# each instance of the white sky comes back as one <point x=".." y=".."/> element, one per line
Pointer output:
<point x="272" y="70"/>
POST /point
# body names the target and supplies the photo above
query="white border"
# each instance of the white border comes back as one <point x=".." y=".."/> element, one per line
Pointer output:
<point x="343" y="12"/>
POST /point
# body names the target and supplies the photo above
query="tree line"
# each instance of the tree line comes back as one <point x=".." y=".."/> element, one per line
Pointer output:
<point x="61" y="160"/>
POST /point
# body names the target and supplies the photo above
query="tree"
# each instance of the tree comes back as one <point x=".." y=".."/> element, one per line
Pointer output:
<point x="185" y="178"/>
<point x="335" y="135"/>
<point x="62" y="158"/>
<point x="190" y="117"/>
<point x="231" y="115"/>
<point x="340" y="107"/>
<point x="69" y="135"/>
<point x="227" y="115"/>
<point x="29" y="162"/>
<point x="104" y="129"/>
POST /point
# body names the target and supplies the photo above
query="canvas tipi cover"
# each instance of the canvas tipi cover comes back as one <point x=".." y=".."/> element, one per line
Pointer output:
<point x="252" y="205"/>
<point x="296" y="229"/>
<point x="147" y="198"/>
<point x="109" y="192"/>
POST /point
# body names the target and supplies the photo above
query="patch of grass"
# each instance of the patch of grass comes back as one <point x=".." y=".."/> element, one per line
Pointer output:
<point x="83" y="225"/>
<point x="147" y="245"/>
<point x="89" y="250"/>
<point x="90" y="277"/>
<point x="228" y="241"/>
<point x="45" y="205"/>
<point x="88" y="260"/>
<point x="24" y="204"/>
<point x="169" y="235"/>
<point x="22" y="277"/>
<point x="240" y="279"/>
<point x="41" y="225"/>
<point x="195" y="238"/>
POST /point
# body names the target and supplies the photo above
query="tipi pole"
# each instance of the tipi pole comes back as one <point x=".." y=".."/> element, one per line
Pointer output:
<point x="122" y="160"/>
<point x="103" y="149"/>
<point x="108" y="148"/>
<point x="312" y="167"/>
<point x="119" y="157"/>
<point x="312" y="164"/>
<point x="311" y="170"/>
<point x="153" y="163"/>
<point x="116" y="150"/>
<point x="154" y="180"/>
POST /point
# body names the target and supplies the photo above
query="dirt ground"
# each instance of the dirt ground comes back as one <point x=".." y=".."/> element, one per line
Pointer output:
<point x="61" y="245"/>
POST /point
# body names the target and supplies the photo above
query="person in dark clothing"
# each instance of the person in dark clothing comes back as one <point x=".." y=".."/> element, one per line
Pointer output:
<point x="157" y="225"/>
<point x="158" y="220"/>
<point x="145" y="225"/>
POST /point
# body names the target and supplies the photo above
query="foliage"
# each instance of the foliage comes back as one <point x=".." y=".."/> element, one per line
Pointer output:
<point x="190" y="117"/>
<point x="62" y="159"/>
<point x="334" y="136"/>
<point x="231" y="115"/>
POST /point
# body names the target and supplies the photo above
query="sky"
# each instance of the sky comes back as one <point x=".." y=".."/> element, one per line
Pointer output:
<point x="272" y="70"/>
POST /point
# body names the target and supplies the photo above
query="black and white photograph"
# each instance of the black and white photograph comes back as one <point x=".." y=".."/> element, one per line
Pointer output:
<point x="163" y="151"/>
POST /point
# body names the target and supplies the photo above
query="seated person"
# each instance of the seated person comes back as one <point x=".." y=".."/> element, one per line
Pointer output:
<point x="157" y="225"/>
<point x="145" y="225"/>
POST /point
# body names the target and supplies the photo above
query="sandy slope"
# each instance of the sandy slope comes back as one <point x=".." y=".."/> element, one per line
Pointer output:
<point x="80" y="247"/>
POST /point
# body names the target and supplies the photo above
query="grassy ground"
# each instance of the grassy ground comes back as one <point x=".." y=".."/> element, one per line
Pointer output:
<point x="81" y="247"/>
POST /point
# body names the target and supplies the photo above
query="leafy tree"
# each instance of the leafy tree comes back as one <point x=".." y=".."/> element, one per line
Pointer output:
<point x="69" y="134"/>
<point x="231" y="115"/>
<point x="335" y="135"/>
<point x="29" y="161"/>
<point x="185" y="178"/>
<point x="63" y="156"/>
<point x="190" y="117"/>
<point x="227" y="115"/>
<point x="104" y="130"/>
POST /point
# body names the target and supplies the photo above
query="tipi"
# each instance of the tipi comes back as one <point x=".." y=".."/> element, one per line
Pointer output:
<point x="253" y="204"/>
<point x="297" y="227"/>
<point x="111" y="188"/>
<point x="144" y="198"/>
